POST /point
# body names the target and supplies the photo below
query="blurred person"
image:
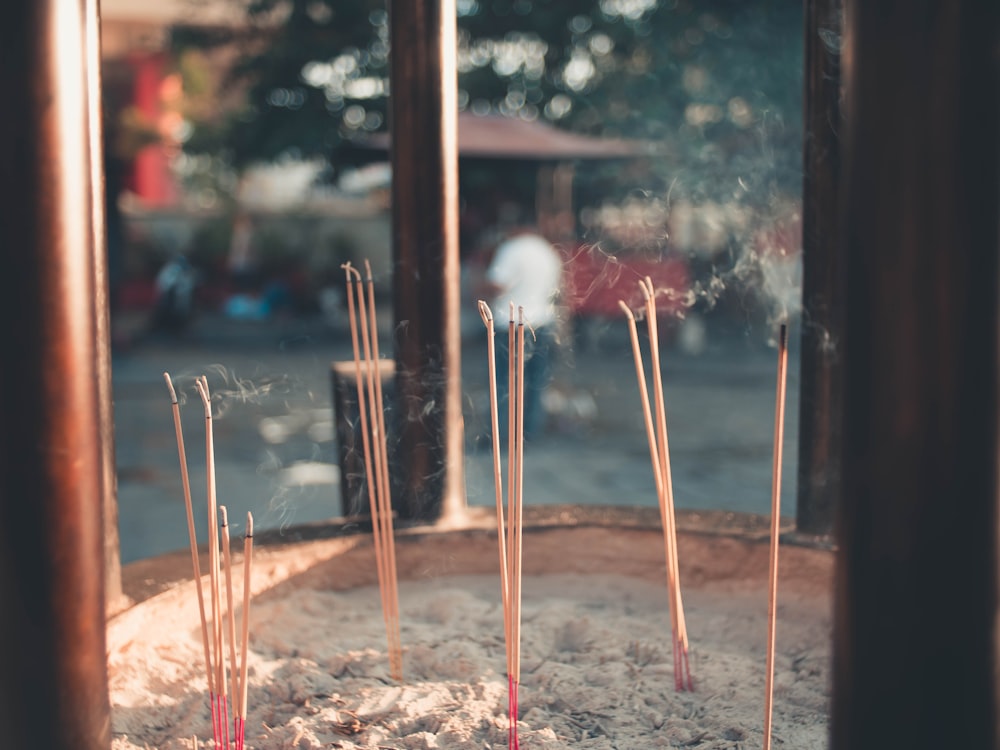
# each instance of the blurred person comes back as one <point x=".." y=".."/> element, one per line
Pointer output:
<point x="173" y="307"/>
<point x="241" y="261"/>
<point x="526" y="270"/>
<point x="244" y="301"/>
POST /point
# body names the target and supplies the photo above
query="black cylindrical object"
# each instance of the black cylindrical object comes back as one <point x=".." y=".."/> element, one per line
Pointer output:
<point x="426" y="278"/>
<point x="821" y="359"/>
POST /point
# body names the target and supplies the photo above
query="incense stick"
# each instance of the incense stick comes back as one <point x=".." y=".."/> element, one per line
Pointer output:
<point x="230" y="618"/>
<point x="365" y="437"/>
<point x="516" y="530"/>
<point x="375" y="458"/>
<point x="396" y="657"/>
<point x="192" y="536"/>
<point x="245" y="632"/>
<point x="512" y="712"/>
<point x="682" y="666"/>
<point x="687" y="683"/>
<point x="772" y="594"/>
<point x="511" y="476"/>
<point x="510" y="544"/>
<point x="654" y="456"/>
<point x="656" y="435"/>
<point x="518" y="500"/>
<point x="220" y="710"/>
<point x="222" y="620"/>
<point x="487" y="316"/>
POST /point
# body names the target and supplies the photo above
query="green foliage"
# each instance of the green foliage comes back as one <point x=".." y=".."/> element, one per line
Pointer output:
<point x="716" y="82"/>
<point x="283" y="112"/>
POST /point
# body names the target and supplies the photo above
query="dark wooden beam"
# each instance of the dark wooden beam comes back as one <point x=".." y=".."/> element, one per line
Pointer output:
<point x="915" y="653"/>
<point x="53" y="669"/>
<point x="423" y="119"/>
<point x="821" y="358"/>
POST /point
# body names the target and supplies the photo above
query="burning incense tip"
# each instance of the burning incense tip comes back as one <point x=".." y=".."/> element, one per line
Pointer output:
<point x="520" y="316"/>
<point x="625" y="309"/>
<point x="783" y="336"/>
<point x="170" y="387"/>
<point x="349" y="270"/>
<point x="202" y="385"/>
<point x="249" y="525"/>
<point x="368" y="271"/>
<point x="485" y="313"/>
<point x="224" y="516"/>
<point x="512" y="311"/>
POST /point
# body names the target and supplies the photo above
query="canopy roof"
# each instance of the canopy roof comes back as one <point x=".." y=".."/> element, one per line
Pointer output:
<point x="494" y="136"/>
<point x="166" y="12"/>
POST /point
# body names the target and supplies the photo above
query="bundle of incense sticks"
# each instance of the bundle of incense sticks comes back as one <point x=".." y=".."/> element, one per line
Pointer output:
<point x="772" y="593"/>
<point x="659" y="453"/>
<point x="223" y="619"/>
<point x="509" y="543"/>
<point x="373" y="436"/>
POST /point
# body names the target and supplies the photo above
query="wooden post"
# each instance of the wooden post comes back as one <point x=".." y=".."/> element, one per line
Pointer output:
<point x="102" y="310"/>
<point x="424" y="124"/>
<point x="53" y="669"/>
<point x="915" y="652"/>
<point x="822" y="353"/>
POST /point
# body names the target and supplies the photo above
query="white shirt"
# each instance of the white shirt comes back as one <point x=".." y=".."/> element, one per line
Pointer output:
<point x="528" y="271"/>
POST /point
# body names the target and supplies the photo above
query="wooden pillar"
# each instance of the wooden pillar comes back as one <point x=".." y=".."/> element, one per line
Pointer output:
<point x="822" y="353"/>
<point x="424" y="125"/>
<point x="53" y="670"/>
<point x="915" y="653"/>
<point x="102" y="309"/>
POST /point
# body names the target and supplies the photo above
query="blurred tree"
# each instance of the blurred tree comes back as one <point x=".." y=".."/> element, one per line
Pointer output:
<point x="716" y="82"/>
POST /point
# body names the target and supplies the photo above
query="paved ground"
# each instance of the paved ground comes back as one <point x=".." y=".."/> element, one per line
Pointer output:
<point x="276" y="454"/>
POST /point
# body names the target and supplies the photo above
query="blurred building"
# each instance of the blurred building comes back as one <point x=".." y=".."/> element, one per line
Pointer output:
<point x="142" y="92"/>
